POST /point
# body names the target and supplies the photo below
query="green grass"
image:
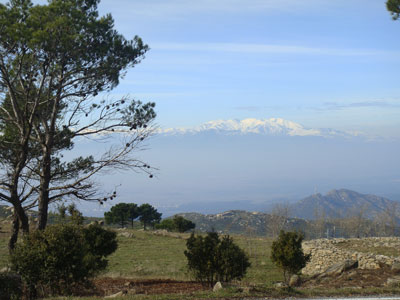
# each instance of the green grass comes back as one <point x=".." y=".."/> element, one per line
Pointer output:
<point x="262" y="270"/>
<point x="147" y="255"/>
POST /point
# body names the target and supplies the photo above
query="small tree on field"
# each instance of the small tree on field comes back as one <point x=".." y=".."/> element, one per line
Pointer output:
<point x="121" y="213"/>
<point x="212" y="259"/>
<point x="182" y="224"/>
<point x="148" y="215"/>
<point x="288" y="255"/>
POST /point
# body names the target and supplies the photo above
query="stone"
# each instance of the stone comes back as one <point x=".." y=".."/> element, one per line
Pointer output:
<point x="280" y="284"/>
<point x="339" y="268"/>
<point x="396" y="267"/>
<point x="119" y="294"/>
<point x="129" y="284"/>
<point x="5" y="270"/>
<point x="217" y="287"/>
<point x="393" y="281"/>
<point x="126" y="234"/>
<point x="295" y="280"/>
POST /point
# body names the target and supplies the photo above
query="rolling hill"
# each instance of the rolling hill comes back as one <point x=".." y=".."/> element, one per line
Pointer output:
<point x="341" y="203"/>
<point x="243" y="222"/>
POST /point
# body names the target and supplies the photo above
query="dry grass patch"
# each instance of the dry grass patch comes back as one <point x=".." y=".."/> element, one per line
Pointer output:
<point x="362" y="246"/>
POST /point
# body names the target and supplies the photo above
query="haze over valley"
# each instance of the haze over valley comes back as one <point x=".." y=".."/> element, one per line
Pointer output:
<point x="252" y="164"/>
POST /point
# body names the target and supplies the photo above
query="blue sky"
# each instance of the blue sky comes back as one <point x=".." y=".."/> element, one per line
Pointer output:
<point x="317" y="62"/>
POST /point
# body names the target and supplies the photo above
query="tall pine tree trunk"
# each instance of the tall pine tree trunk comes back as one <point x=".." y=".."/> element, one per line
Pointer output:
<point x="14" y="233"/>
<point x="44" y="191"/>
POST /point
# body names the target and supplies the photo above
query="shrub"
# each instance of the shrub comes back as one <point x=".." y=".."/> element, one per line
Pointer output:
<point x="167" y="224"/>
<point x="10" y="286"/>
<point x="101" y="243"/>
<point x="212" y="259"/>
<point x="288" y="255"/>
<point x="182" y="224"/>
<point x="62" y="256"/>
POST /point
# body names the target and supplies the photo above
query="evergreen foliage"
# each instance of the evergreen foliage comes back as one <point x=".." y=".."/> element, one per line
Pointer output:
<point x="394" y="7"/>
<point x="122" y="213"/>
<point x="287" y="253"/>
<point x="212" y="259"/>
<point x="55" y="60"/>
<point x="10" y="286"/>
<point x="177" y="223"/>
<point x="62" y="256"/>
<point x="148" y="215"/>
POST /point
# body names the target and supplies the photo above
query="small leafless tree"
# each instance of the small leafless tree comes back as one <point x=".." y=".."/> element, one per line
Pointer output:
<point x="277" y="219"/>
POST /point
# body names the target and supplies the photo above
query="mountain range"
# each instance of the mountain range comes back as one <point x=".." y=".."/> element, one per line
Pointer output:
<point x="340" y="204"/>
<point x="270" y="127"/>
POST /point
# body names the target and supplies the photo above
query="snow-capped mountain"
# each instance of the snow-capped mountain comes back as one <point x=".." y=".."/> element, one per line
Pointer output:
<point x="271" y="127"/>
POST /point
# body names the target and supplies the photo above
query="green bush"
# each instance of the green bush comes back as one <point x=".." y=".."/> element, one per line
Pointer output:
<point x="62" y="256"/>
<point x="288" y="255"/>
<point x="101" y="243"/>
<point x="177" y="223"/>
<point x="212" y="259"/>
<point x="10" y="286"/>
<point x="167" y="224"/>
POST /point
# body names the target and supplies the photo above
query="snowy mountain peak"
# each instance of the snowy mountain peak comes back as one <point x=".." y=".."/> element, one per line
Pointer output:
<point x="271" y="127"/>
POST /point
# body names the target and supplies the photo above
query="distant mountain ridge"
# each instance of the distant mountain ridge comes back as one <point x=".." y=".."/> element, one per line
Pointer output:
<point x="341" y="203"/>
<point x="270" y="127"/>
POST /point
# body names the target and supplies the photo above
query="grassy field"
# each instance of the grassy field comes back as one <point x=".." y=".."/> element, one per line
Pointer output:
<point x="147" y="255"/>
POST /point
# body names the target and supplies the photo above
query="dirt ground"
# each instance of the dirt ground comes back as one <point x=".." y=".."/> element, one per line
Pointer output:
<point x="353" y="278"/>
<point x="108" y="286"/>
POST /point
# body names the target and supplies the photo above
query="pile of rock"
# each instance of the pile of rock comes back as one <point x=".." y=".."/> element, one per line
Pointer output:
<point x="325" y="253"/>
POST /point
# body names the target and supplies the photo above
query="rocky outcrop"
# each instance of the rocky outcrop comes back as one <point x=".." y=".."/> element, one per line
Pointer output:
<point x="340" y="267"/>
<point x="326" y="253"/>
